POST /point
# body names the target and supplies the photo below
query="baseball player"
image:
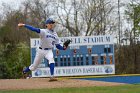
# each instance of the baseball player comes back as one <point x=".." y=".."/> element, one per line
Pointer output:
<point x="48" y="39"/>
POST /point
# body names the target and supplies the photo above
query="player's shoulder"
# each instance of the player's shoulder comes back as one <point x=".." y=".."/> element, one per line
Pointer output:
<point x="43" y="30"/>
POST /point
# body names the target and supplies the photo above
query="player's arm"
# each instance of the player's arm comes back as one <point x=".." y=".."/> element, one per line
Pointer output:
<point x="29" y="27"/>
<point x="65" y="44"/>
<point x="58" y="46"/>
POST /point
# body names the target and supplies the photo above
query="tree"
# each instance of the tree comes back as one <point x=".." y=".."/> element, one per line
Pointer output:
<point x="37" y="12"/>
<point x="133" y="13"/>
<point x="12" y="62"/>
<point x="86" y="17"/>
<point x="129" y="54"/>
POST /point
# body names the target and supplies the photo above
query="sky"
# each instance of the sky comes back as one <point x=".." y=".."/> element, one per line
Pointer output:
<point x="11" y="1"/>
<point x="14" y="3"/>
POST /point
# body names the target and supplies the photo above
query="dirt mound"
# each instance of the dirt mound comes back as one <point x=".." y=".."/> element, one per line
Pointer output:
<point x="39" y="83"/>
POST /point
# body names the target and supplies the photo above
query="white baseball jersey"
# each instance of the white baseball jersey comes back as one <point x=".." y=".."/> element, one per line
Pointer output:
<point x="48" y="38"/>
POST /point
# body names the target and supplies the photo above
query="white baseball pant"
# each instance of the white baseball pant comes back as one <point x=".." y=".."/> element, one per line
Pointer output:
<point x="40" y="54"/>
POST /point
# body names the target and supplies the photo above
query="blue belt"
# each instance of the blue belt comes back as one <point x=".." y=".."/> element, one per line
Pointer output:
<point x="44" y="48"/>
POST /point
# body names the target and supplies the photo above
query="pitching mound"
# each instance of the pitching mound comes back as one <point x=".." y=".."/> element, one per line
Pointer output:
<point x="39" y="83"/>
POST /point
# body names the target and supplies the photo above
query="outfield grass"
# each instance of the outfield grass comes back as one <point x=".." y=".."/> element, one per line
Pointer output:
<point x="114" y="89"/>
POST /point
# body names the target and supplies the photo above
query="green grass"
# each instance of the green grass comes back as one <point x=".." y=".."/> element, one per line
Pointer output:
<point x="114" y="89"/>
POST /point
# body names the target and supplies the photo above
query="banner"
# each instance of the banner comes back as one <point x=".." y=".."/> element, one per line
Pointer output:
<point x="86" y="40"/>
<point x="75" y="71"/>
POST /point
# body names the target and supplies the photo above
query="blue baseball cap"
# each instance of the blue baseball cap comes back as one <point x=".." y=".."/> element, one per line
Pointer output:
<point x="49" y="21"/>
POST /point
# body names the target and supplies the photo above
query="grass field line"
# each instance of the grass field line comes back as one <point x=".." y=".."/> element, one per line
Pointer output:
<point x="99" y="76"/>
<point x="112" y="89"/>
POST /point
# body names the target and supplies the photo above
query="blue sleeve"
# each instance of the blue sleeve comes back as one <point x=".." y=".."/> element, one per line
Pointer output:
<point x="32" y="28"/>
<point x="58" y="46"/>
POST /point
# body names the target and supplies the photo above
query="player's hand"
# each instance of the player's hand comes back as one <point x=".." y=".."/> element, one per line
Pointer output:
<point x="21" y="25"/>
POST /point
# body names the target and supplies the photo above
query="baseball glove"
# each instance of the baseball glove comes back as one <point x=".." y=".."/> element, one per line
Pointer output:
<point x="66" y="44"/>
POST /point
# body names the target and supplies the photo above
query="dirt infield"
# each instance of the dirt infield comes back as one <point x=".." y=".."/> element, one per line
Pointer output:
<point x="40" y="83"/>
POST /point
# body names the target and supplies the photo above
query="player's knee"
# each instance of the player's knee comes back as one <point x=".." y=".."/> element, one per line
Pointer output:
<point x="32" y="68"/>
<point x="51" y="60"/>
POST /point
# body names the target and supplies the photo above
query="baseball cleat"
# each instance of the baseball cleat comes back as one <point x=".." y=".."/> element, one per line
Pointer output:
<point x="23" y="72"/>
<point x="24" y="75"/>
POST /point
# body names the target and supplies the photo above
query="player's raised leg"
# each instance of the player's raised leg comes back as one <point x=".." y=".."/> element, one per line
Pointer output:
<point x="39" y="56"/>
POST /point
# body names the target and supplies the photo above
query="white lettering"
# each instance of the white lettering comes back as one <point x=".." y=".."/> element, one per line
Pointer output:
<point x="87" y="40"/>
